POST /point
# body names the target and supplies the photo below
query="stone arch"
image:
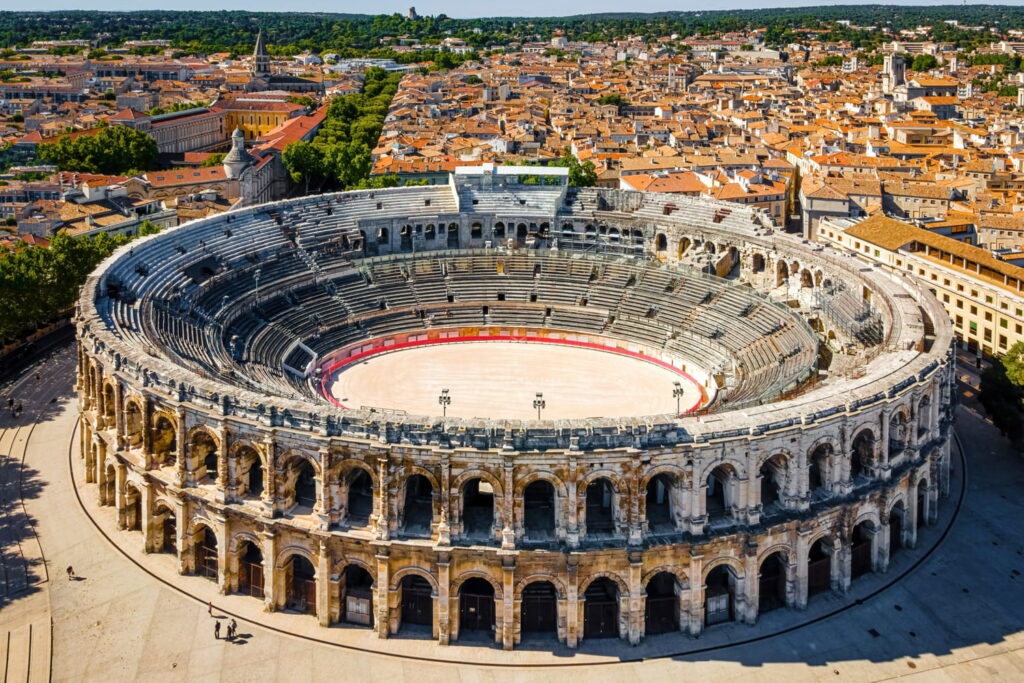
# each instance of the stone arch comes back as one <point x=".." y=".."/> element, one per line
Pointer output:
<point x="341" y="563"/>
<point x="286" y="553"/>
<point x="681" y="574"/>
<point x="660" y="243"/>
<point x="735" y="564"/>
<point x="239" y="537"/>
<point x="396" y="578"/>
<point x="612" y="576"/>
<point x="291" y="455"/>
<point x="464" y="477"/>
<point x="546" y="475"/>
<point x="346" y="467"/>
<point x="476" y="574"/>
<point x="534" y="578"/>
<point x="784" y="548"/>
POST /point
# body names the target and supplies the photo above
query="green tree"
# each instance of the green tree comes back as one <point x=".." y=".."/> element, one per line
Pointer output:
<point x="1002" y="393"/>
<point x="305" y="163"/>
<point x="612" y="98"/>
<point x="580" y="174"/>
<point x="924" y="63"/>
<point x="215" y="159"/>
<point x="114" y="150"/>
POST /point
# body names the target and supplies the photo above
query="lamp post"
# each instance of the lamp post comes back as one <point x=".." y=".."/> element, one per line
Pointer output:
<point x="677" y="391"/>
<point x="444" y="400"/>
<point x="539" y="403"/>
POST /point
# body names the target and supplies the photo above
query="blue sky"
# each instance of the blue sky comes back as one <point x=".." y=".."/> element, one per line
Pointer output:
<point x="453" y="8"/>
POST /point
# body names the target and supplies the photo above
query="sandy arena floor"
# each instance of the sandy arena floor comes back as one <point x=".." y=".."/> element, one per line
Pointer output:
<point x="501" y="380"/>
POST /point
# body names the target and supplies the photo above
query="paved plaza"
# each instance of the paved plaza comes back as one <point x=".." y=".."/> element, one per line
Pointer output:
<point x="131" y="617"/>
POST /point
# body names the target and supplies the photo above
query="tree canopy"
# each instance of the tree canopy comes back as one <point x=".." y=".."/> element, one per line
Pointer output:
<point x="1002" y="392"/>
<point x="116" y="150"/>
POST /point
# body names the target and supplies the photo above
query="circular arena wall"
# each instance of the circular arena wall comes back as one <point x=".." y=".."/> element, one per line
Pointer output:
<point x="822" y="448"/>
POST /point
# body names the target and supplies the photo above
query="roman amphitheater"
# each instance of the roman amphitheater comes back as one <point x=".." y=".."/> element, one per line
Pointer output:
<point x="513" y="408"/>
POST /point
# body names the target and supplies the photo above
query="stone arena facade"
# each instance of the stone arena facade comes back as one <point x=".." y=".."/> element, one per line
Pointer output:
<point x="201" y="350"/>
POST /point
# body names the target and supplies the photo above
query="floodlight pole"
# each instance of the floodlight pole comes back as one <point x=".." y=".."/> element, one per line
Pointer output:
<point x="677" y="391"/>
<point x="444" y="400"/>
<point x="539" y="403"/>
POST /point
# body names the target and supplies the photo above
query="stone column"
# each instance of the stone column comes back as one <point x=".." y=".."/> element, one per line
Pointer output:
<point x="323" y="502"/>
<point x="572" y="522"/>
<point x="696" y="572"/>
<point x="442" y="624"/>
<point x="152" y="535"/>
<point x="179" y="457"/>
<point x="800" y="569"/>
<point x="181" y="538"/>
<point x="120" y="474"/>
<point x="381" y="594"/>
<point x="269" y="480"/>
<point x="225" y="575"/>
<point x="572" y="580"/>
<point x="147" y="436"/>
<point x="119" y="415"/>
<point x="750" y="600"/>
<point x="269" y="539"/>
<point x="508" y="624"/>
<point x="224" y="482"/>
<point x="880" y="540"/>
<point x="635" y="625"/>
<point x="383" y="519"/>
<point x="323" y="584"/>
<point x="508" y="499"/>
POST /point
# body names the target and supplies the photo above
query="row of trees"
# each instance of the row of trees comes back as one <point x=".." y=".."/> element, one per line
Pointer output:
<point x="339" y="157"/>
<point x="1002" y="393"/>
<point x="38" y="285"/>
<point x="114" y="150"/>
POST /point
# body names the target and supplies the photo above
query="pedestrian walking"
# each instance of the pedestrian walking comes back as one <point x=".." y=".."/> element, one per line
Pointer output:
<point x="71" y="572"/>
<point x="216" y="630"/>
<point x="234" y="628"/>
<point x="209" y="608"/>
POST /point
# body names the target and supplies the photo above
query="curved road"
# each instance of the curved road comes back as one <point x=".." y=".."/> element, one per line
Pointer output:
<point x="957" y="615"/>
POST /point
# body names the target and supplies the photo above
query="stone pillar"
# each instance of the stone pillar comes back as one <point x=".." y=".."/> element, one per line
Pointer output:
<point x="381" y="594"/>
<point x="181" y="538"/>
<point x="224" y="482"/>
<point x="572" y="582"/>
<point x="882" y="464"/>
<point x="442" y="624"/>
<point x="120" y="474"/>
<point x="383" y="520"/>
<point x="147" y="436"/>
<point x="179" y="457"/>
<point x="696" y="573"/>
<point x="225" y="575"/>
<point x="152" y="535"/>
<point x="269" y="480"/>
<point x="269" y="539"/>
<point x="323" y="584"/>
<point x="119" y="415"/>
<point x="698" y="501"/>
<point x="880" y="540"/>
<point x="323" y="501"/>
<point x="508" y="499"/>
<point x="508" y="623"/>
<point x="635" y="624"/>
<point x="800" y="568"/>
<point x="572" y="521"/>
<point x="748" y="603"/>
<point x="842" y="567"/>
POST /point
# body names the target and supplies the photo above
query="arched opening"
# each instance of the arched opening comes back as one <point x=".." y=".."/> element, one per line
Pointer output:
<point x="924" y="416"/>
<point x="417" y="601"/>
<point x="538" y="612"/>
<point x="539" y="510"/>
<point x="165" y="442"/>
<point x="757" y="263"/>
<point x="167" y="524"/>
<point x="806" y="279"/>
<point x="476" y="606"/>
<point x="600" y="515"/>
<point x="453" y="235"/>
<point x="250" y="472"/>
<point x="109" y="410"/>
<point x="203" y="452"/>
<point x="771" y="583"/>
<point x="476" y="231"/>
<point x="132" y="508"/>
<point x="360" y="497"/>
<point x="819" y="464"/>
<point x="205" y="543"/>
<point x="499" y="230"/>
<point x="382" y="236"/>
<point x="863" y="455"/>
<point x="300" y="583"/>
<point x="478" y="508"/>
<point x="303" y="478"/>
<point x="718" y="496"/>
<point x="660" y="243"/>
<point x="418" y="513"/>
<point x="781" y="274"/>
<point x="250" y="570"/>
<point x="772" y="474"/>
<point x="819" y="568"/>
<point x="133" y="424"/>
<point x="660" y="516"/>
<point x="720" y="595"/>
<point x="661" y="607"/>
<point x="897" y="434"/>
<point x="521" y="233"/>
<point x="860" y="549"/>
<point x="405" y="238"/>
<point x="356" y="595"/>
<point x="896" y="526"/>
<point x="109" y="488"/>
<point x="601" y="609"/>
